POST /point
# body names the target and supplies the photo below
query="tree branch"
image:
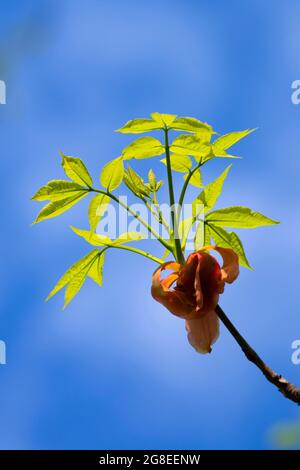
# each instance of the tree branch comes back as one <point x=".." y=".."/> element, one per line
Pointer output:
<point x="289" y="390"/>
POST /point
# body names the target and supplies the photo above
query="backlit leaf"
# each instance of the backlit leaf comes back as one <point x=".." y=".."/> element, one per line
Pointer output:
<point x="112" y="174"/>
<point x="202" y="237"/>
<point x="144" y="147"/>
<point x="207" y="235"/>
<point x="58" y="189"/>
<point x="55" y="208"/>
<point x="166" y="253"/>
<point x="181" y="163"/>
<point x="93" y="238"/>
<point x="240" y="217"/>
<point x="139" y="126"/>
<point x="102" y="240"/>
<point x="75" y="285"/>
<point x="229" y="240"/>
<point x="97" y="207"/>
<point x="209" y="196"/>
<point x="95" y="272"/>
<point x="191" y="145"/>
<point x="163" y="119"/>
<point x="76" y="170"/>
<point x="184" y="228"/>
<point x="227" y="140"/>
<point x="77" y="267"/>
<point x="190" y="124"/>
<point x="136" y="183"/>
<point x="152" y="179"/>
<point x="196" y="179"/>
<point x="128" y="237"/>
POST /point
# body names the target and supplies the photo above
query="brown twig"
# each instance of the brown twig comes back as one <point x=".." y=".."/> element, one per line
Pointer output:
<point x="289" y="390"/>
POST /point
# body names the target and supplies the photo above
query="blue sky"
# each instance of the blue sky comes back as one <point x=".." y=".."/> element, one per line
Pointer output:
<point x="115" y="370"/>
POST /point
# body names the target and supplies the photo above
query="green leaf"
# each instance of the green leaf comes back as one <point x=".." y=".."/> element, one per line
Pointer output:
<point x="144" y="147"/>
<point x="229" y="240"/>
<point x="190" y="124"/>
<point x="76" y="170"/>
<point x="196" y="179"/>
<point x="165" y="120"/>
<point x="75" y="285"/>
<point x="202" y="236"/>
<point x="139" y="126"/>
<point x="224" y="142"/>
<point x="112" y="174"/>
<point x="209" y="196"/>
<point x="93" y="238"/>
<point x="152" y="180"/>
<point x="135" y="183"/>
<point x="191" y="145"/>
<point x="227" y="140"/>
<point x="184" y="228"/>
<point x="75" y="269"/>
<point x="165" y="254"/>
<point x="240" y="217"/>
<point x="207" y="235"/>
<point x="181" y="163"/>
<point x="96" y="269"/>
<point x="102" y="240"/>
<point x="55" y="208"/>
<point x="153" y="184"/>
<point x="58" y="189"/>
<point x="128" y="237"/>
<point x="97" y="207"/>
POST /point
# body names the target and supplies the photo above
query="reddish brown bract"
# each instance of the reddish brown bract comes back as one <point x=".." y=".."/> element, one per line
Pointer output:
<point x="195" y="295"/>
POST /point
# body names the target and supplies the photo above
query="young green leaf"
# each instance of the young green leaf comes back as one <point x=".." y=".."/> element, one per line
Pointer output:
<point x="207" y="235"/>
<point x="102" y="240"/>
<point x="202" y="236"/>
<point x="153" y="184"/>
<point x="227" y="140"/>
<point x="191" y="145"/>
<point x="184" y="228"/>
<point x="240" y="217"/>
<point x="76" y="268"/>
<point x="144" y="147"/>
<point x="195" y="179"/>
<point x="181" y="163"/>
<point x="190" y="124"/>
<point x="97" y="207"/>
<point x="93" y="238"/>
<point x="76" y="170"/>
<point x="75" y="285"/>
<point x="135" y="183"/>
<point x="165" y="120"/>
<point x="55" y="208"/>
<point x="209" y="196"/>
<point x="224" y="142"/>
<point x="139" y="126"/>
<point x="128" y="237"/>
<point x="58" y="189"/>
<point x="112" y="174"/>
<point x="95" y="272"/>
<point x="166" y="253"/>
<point x="229" y="240"/>
<point x="152" y="180"/>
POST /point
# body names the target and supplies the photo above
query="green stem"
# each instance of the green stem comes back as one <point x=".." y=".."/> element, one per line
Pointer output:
<point x="186" y="183"/>
<point x="139" y="252"/>
<point x="179" y="253"/>
<point x="137" y="216"/>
